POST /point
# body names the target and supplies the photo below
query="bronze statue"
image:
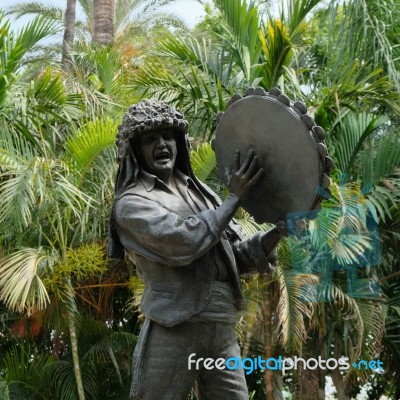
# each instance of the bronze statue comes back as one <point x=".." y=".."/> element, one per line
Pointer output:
<point x="189" y="253"/>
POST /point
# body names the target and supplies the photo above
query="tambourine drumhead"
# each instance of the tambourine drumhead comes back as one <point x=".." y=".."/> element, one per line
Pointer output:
<point x="285" y="148"/>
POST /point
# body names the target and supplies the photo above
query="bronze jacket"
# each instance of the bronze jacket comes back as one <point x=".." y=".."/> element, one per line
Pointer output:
<point x="174" y="250"/>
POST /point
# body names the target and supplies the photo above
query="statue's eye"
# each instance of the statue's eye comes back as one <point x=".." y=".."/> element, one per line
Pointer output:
<point x="149" y="139"/>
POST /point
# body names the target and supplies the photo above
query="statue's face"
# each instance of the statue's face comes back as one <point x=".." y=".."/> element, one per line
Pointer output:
<point x="158" y="153"/>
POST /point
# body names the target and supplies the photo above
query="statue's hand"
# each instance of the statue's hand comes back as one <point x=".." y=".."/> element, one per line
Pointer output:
<point x="244" y="177"/>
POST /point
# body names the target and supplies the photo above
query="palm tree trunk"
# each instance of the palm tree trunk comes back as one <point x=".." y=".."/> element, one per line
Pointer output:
<point x="343" y="388"/>
<point x="72" y="311"/>
<point x="68" y="32"/>
<point x="310" y="384"/>
<point x="103" y="19"/>
<point x="267" y="321"/>
<point x="307" y="385"/>
<point x="75" y="357"/>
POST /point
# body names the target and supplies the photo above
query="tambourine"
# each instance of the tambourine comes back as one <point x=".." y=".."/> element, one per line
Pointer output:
<point x="290" y="149"/>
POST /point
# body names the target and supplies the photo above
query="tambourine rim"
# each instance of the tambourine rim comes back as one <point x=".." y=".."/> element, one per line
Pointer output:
<point x="305" y="130"/>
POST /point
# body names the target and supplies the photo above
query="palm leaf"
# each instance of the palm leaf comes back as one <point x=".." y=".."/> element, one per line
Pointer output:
<point x="143" y="12"/>
<point x="203" y="161"/>
<point x="36" y="8"/>
<point x="4" y="390"/>
<point x="242" y="24"/>
<point x="352" y="133"/>
<point x="90" y="141"/>
<point x="293" y="308"/>
<point x="367" y="31"/>
<point x="353" y="86"/>
<point x="21" y="286"/>
<point x="62" y="374"/>
<point x="43" y="189"/>
<point x="381" y="158"/>
<point x="105" y="349"/>
<point x="25" y="372"/>
<point x="249" y="226"/>
<point x="278" y="52"/>
<point x="16" y="188"/>
<point x="295" y="11"/>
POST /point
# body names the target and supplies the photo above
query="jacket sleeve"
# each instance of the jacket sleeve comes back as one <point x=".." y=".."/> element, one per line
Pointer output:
<point x="249" y="251"/>
<point x="249" y="254"/>
<point x="155" y="232"/>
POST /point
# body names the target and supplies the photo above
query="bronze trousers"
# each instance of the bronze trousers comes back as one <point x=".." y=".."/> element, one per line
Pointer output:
<point x="161" y="369"/>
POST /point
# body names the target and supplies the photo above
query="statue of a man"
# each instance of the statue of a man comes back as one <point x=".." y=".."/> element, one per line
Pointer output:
<point x="188" y="252"/>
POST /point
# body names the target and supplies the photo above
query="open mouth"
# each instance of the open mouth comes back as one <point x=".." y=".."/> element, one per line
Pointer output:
<point x="162" y="156"/>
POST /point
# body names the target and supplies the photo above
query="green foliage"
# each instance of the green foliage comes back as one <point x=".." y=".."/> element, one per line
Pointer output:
<point x="136" y="288"/>
<point x="203" y="161"/>
<point x="241" y="34"/>
<point x="79" y="264"/>
<point x="36" y="8"/>
<point x="293" y="308"/>
<point x="85" y="144"/>
<point x="352" y="132"/>
<point x="15" y="46"/>
<point x="278" y="52"/>
<point x="21" y="284"/>
<point x="26" y="375"/>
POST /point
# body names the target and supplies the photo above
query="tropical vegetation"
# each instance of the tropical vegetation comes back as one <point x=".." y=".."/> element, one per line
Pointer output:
<point x="69" y="316"/>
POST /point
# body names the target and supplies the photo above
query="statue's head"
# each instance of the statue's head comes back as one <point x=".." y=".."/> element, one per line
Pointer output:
<point x="147" y="120"/>
<point x="152" y="137"/>
<point x="148" y="116"/>
<point x="152" y="129"/>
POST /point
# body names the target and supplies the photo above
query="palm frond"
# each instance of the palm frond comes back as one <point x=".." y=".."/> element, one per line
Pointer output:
<point x="35" y="8"/>
<point x="202" y="54"/>
<point x="143" y="12"/>
<point x="352" y="132"/>
<point x="344" y="310"/>
<point x="293" y="308"/>
<point x="21" y="285"/>
<point x="295" y="11"/>
<point x="242" y="25"/>
<point x="25" y="372"/>
<point x="62" y="374"/>
<point x="199" y="95"/>
<point x="381" y="158"/>
<point x="47" y="92"/>
<point x="371" y="23"/>
<point x="42" y="188"/>
<point x="278" y="52"/>
<point x="90" y="141"/>
<point x="372" y="316"/>
<point x="16" y="187"/>
<point x="108" y="70"/>
<point x="203" y="161"/>
<point x="39" y="28"/>
<point x="106" y="349"/>
<point x="249" y="226"/>
<point x="16" y="46"/>
<point x="87" y="7"/>
<point x="4" y="390"/>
